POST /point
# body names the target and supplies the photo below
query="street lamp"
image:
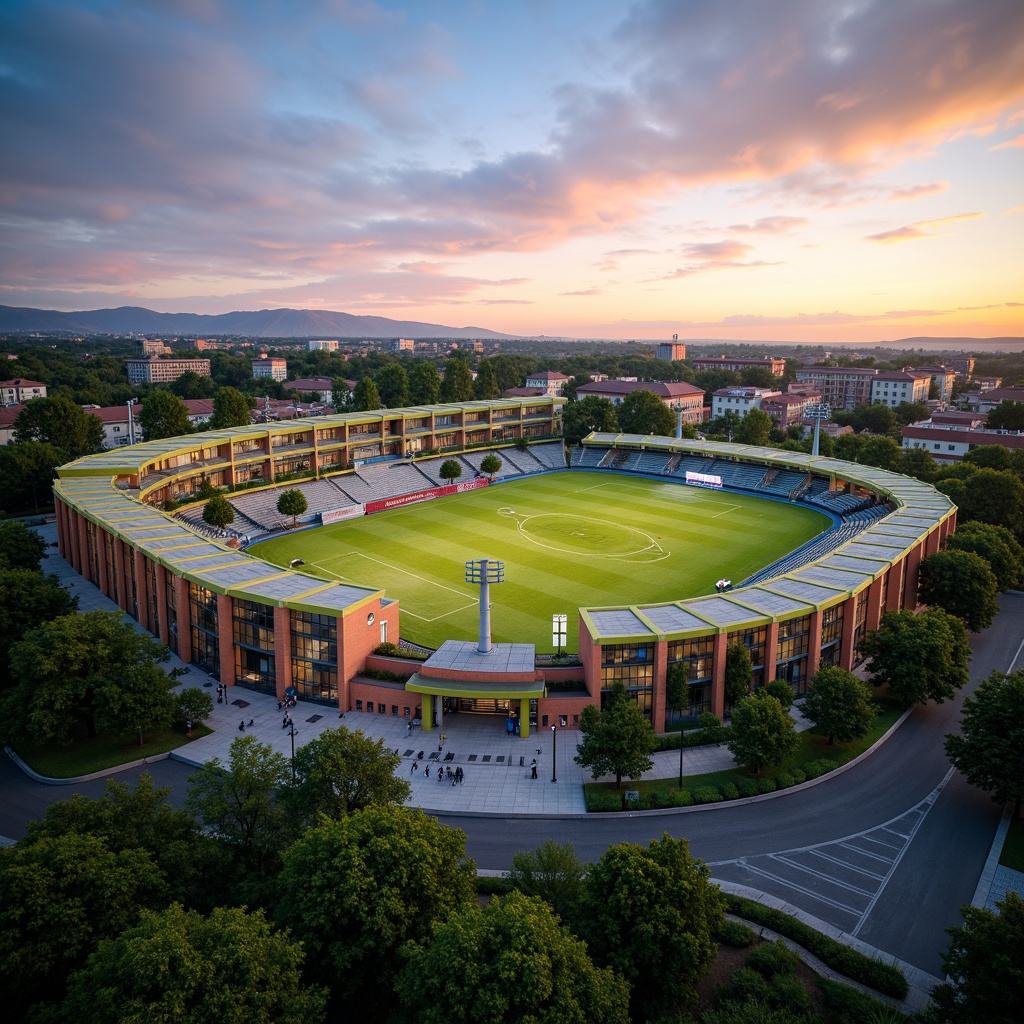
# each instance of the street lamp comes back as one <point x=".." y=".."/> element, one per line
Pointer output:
<point x="554" y="751"/>
<point x="680" y="758"/>
<point x="291" y="733"/>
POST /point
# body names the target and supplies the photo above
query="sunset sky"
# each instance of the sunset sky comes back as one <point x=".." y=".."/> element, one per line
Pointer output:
<point x="801" y="170"/>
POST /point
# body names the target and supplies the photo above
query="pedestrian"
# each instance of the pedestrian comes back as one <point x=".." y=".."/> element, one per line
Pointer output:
<point x="426" y="770"/>
<point x="458" y="775"/>
<point x="408" y="728"/>
<point x="440" y="773"/>
<point x="251" y="723"/>
<point x="241" y="725"/>
<point x="280" y="705"/>
<point x="415" y="768"/>
<point x="533" y="769"/>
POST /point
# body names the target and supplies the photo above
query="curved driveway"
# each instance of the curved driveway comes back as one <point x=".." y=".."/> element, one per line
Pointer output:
<point x="888" y="850"/>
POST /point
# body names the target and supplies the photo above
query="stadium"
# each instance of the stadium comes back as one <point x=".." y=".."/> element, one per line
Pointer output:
<point x="659" y="551"/>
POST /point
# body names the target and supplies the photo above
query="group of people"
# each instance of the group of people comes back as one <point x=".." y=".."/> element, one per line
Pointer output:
<point x="241" y="724"/>
<point x="222" y="693"/>
<point x="289" y="702"/>
<point x="456" y="777"/>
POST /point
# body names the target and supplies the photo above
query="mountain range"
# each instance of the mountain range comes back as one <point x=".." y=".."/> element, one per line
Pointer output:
<point x="263" y="323"/>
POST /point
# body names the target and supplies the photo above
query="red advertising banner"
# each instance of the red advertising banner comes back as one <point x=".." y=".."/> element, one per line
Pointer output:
<point x="427" y="495"/>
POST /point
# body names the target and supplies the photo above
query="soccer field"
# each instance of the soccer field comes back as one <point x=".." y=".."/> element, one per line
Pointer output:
<point x="568" y="540"/>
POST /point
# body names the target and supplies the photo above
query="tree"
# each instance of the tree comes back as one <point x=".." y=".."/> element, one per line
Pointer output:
<point x="989" y="456"/>
<point x="457" y="384"/>
<point x="192" y="705"/>
<point x="738" y="673"/>
<point x="425" y="383"/>
<point x="59" y="896"/>
<point x="963" y="584"/>
<point x="916" y="462"/>
<point x="193" y="385"/>
<point x="486" y="385"/>
<point x="27" y="471"/>
<point x="218" y="513"/>
<point x="839" y="705"/>
<point x="586" y="415"/>
<point x="781" y="691"/>
<point x="754" y="428"/>
<point x="451" y="470"/>
<point x="651" y="913"/>
<point x="676" y="687"/>
<point x="990" y="496"/>
<point x="230" y="409"/>
<point x="20" y="547"/>
<point x="763" y="733"/>
<point x="997" y="546"/>
<point x="643" y="412"/>
<point x="1007" y="416"/>
<point x="365" y="397"/>
<point x="985" y="967"/>
<point x="989" y="753"/>
<point x="616" y="740"/>
<point x="392" y="384"/>
<point x="238" y="801"/>
<point x="356" y="889"/>
<point x="883" y="452"/>
<point x="342" y="396"/>
<point x="137" y="701"/>
<point x="58" y="421"/>
<point x="228" y="968"/>
<point x="919" y="657"/>
<point x="292" y="503"/>
<point x="342" y="771"/>
<point x="27" y="600"/>
<point x="552" y="873"/>
<point x="490" y="464"/>
<point x="511" y="961"/>
<point x="163" y="414"/>
<point x="68" y="672"/>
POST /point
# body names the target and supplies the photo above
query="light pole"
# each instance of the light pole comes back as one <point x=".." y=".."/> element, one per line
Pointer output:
<point x="554" y="751"/>
<point x="131" y="421"/>
<point x="291" y="733"/>
<point x="680" y="758"/>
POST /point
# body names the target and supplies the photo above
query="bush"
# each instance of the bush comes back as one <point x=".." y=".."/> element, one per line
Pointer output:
<point x="736" y="934"/>
<point x="729" y="791"/>
<point x="599" y="800"/>
<point x="820" y="767"/>
<point x="851" y="1004"/>
<point x="747" y="787"/>
<point x="487" y="885"/>
<point x="677" y="798"/>
<point x="798" y="776"/>
<point x="773" y="958"/>
<point x="386" y="648"/>
<point x="384" y="676"/>
<point x="788" y="993"/>
<point x="781" y="691"/>
<point x="766" y="785"/>
<point x="709" y="728"/>
<point x="882" y="977"/>
<point x="707" y="795"/>
<point x="745" y="985"/>
<point x="783" y="780"/>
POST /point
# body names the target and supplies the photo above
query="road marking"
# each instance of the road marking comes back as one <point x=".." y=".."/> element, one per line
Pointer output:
<point x="1015" y="657"/>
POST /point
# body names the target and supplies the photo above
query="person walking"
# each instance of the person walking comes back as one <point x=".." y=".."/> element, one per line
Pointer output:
<point x="415" y="768"/>
<point x="533" y="769"/>
<point x="241" y="725"/>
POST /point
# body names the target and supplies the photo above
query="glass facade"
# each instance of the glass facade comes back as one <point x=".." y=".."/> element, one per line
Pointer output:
<point x="860" y="620"/>
<point x="172" y="612"/>
<point x="205" y="638"/>
<point x="755" y="641"/>
<point x="696" y="658"/>
<point x="633" y="666"/>
<point x="791" y="653"/>
<point x="151" y="593"/>
<point x="831" y="635"/>
<point x="315" y="656"/>
<point x="253" y="635"/>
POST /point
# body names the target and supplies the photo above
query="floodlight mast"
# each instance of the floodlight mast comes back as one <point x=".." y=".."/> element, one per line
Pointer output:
<point x="483" y="572"/>
<point x="818" y="412"/>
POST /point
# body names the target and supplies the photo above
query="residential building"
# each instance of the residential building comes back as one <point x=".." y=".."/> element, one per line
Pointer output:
<point x="8" y="416"/>
<point x="842" y="387"/>
<point x="895" y="387"/>
<point x="739" y="400"/>
<point x="675" y="396"/>
<point x="670" y="351"/>
<point x="789" y="408"/>
<point x="963" y="365"/>
<point x="949" y="436"/>
<point x="772" y="363"/>
<point x="152" y="348"/>
<point x="403" y="345"/>
<point x="200" y="410"/>
<point x="162" y="371"/>
<point x="986" y="401"/>
<point x="14" y="392"/>
<point x="196" y="344"/>
<point x="549" y="381"/>
<point x="272" y="367"/>
<point x="308" y="386"/>
<point x="943" y="377"/>
<point x="322" y="346"/>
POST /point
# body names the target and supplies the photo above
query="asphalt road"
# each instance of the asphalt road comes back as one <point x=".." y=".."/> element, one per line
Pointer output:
<point x="888" y="851"/>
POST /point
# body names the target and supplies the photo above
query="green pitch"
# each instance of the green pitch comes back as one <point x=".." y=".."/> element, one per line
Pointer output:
<point x="568" y="540"/>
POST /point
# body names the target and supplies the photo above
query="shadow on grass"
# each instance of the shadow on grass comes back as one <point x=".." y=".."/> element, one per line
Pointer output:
<point x="83" y="755"/>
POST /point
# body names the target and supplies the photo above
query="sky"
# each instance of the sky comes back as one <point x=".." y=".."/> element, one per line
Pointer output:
<point x="804" y="170"/>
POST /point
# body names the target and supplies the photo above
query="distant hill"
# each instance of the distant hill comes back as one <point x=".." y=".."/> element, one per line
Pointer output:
<point x="264" y="323"/>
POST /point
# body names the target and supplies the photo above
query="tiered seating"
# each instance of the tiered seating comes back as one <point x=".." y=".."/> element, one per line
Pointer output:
<point x="261" y="506"/>
<point x="738" y="474"/>
<point x="550" y="454"/>
<point x="819" y="485"/>
<point x="521" y="460"/>
<point x="625" y="460"/>
<point x="783" y="482"/>
<point x="809" y="552"/>
<point x="588" y="457"/>
<point x="652" y="462"/>
<point x="868" y="515"/>
<point x="473" y="460"/>
<point x="840" y="503"/>
<point x="690" y="464"/>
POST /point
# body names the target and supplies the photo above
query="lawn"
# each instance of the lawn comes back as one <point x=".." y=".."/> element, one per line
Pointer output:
<point x="567" y="539"/>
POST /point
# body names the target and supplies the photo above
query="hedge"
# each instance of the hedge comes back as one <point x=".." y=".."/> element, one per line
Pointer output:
<point x="882" y="977"/>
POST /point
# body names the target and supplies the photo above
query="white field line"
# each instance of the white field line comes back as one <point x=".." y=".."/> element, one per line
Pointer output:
<point x="652" y="545"/>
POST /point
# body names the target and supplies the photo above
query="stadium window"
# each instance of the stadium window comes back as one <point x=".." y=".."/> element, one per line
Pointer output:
<point x="359" y="705"/>
<point x="382" y="709"/>
<point x="394" y="710"/>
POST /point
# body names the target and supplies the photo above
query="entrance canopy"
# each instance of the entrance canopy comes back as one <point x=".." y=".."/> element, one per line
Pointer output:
<point x="433" y="690"/>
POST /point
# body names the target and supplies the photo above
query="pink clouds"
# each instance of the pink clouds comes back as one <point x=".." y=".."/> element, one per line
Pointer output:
<point x="922" y="229"/>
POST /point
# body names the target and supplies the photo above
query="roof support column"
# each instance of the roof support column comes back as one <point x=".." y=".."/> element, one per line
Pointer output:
<point x="718" y="674"/>
<point x="524" y="717"/>
<point x="427" y="722"/>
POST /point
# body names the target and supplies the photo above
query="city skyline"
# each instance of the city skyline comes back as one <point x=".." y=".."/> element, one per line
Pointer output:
<point x="804" y="170"/>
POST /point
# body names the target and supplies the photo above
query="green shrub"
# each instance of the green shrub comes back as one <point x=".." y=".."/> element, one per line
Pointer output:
<point x="599" y="800"/>
<point x="882" y="977"/>
<point x="745" y="985"/>
<point x="820" y="767"/>
<point x="798" y="776"/>
<point x="386" y="648"/>
<point x="773" y="958"/>
<point x="729" y="791"/>
<point x="384" y="676"/>
<point x="706" y="795"/>
<point x="709" y="728"/>
<point x="747" y="787"/>
<point x="783" y="780"/>
<point x="752" y="1011"/>
<point x="766" y="785"/>
<point x="788" y="993"/>
<point x="487" y="885"/>
<point x="677" y="798"/>
<point x="781" y="691"/>
<point x="851" y="1004"/>
<point x="736" y="934"/>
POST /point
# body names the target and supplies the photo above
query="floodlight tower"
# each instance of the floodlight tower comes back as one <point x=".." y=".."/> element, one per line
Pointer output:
<point x="818" y="412"/>
<point x="678" y="409"/>
<point x="484" y="572"/>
